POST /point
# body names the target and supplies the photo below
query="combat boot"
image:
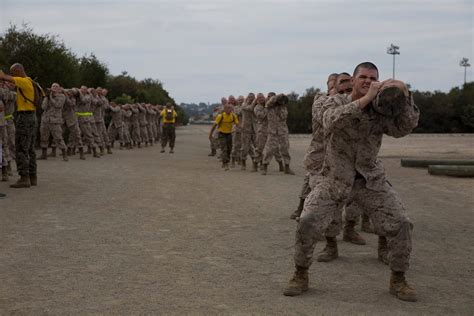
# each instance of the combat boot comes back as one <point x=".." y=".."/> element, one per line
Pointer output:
<point x="244" y="164"/>
<point x="101" y="150"/>
<point x="299" y="283"/>
<point x="232" y="163"/>
<point x="68" y="151"/>
<point x="162" y="150"/>
<point x="171" y="150"/>
<point x="239" y="162"/>
<point x="288" y="170"/>
<point x="329" y="253"/>
<point x="89" y="150"/>
<point x="140" y="146"/>
<point x="64" y="153"/>
<point x="73" y="151"/>
<point x="212" y="153"/>
<point x="9" y="169"/>
<point x="109" y="150"/>
<point x="350" y="235"/>
<point x="264" y="169"/>
<point x="44" y="154"/>
<point x="365" y="225"/>
<point x="254" y="166"/>
<point x="282" y="168"/>
<point x="400" y="288"/>
<point x="53" y="152"/>
<point x="296" y="214"/>
<point x="382" y="250"/>
<point x="81" y="154"/>
<point x="96" y="154"/>
<point x="146" y="144"/>
<point x="33" y="180"/>
<point x="24" y="182"/>
<point x="226" y="166"/>
<point x="4" y="174"/>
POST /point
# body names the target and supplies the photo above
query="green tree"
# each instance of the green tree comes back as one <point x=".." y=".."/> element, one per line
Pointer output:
<point x="92" y="72"/>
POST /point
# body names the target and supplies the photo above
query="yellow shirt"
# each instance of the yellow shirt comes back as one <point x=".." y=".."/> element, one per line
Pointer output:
<point x="26" y="86"/>
<point x="226" y="121"/>
<point x="163" y="115"/>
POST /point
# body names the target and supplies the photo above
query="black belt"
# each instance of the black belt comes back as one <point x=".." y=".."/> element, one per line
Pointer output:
<point x="25" y="112"/>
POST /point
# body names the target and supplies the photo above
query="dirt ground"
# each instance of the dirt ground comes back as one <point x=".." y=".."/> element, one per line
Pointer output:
<point x="139" y="232"/>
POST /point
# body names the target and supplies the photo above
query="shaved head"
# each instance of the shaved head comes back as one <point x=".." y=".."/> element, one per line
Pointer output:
<point x="17" y="70"/>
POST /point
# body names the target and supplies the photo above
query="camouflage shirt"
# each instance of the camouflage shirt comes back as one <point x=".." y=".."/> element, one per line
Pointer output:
<point x="276" y="116"/>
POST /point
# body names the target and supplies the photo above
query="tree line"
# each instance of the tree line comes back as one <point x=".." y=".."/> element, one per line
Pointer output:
<point x="47" y="60"/>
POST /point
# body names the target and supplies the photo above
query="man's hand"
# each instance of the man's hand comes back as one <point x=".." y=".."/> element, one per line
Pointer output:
<point x="374" y="88"/>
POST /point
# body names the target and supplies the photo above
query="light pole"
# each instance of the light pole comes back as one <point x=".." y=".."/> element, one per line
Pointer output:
<point x="393" y="50"/>
<point x="464" y="63"/>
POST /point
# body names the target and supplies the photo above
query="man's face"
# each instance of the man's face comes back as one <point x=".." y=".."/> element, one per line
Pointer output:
<point x="362" y="80"/>
<point x="55" y="87"/>
<point x="250" y="98"/>
<point x="83" y="89"/>
<point x="231" y="100"/>
<point x="344" y="84"/>
<point x="228" y="108"/>
<point x="260" y="98"/>
<point x="104" y="92"/>
<point x="223" y="101"/>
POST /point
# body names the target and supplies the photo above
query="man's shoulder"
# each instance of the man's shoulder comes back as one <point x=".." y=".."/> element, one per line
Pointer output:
<point x="339" y="99"/>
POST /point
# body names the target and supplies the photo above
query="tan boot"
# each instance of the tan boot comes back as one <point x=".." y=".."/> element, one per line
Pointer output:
<point x="232" y="163"/>
<point x="9" y="169"/>
<point x="53" y="152"/>
<point x="244" y="164"/>
<point x="288" y="170"/>
<point x="44" y="154"/>
<point x="89" y="150"/>
<point x="296" y="214"/>
<point x="264" y="169"/>
<point x="102" y="150"/>
<point x="33" y="180"/>
<point x="254" y="166"/>
<point x="226" y="166"/>
<point x="281" y="166"/>
<point x="400" y="288"/>
<point x="24" y="182"/>
<point x="329" y="253"/>
<point x="81" y="154"/>
<point x="383" y="250"/>
<point x="4" y="174"/>
<point x="109" y="150"/>
<point x="365" y="225"/>
<point x="64" y="153"/>
<point x="299" y="283"/>
<point x="350" y="235"/>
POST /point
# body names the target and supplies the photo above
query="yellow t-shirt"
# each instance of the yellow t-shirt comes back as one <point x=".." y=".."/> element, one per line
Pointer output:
<point x="226" y="121"/>
<point x="163" y="115"/>
<point x="26" y="86"/>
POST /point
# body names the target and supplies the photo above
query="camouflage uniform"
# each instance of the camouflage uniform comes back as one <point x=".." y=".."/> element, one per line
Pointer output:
<point x="116" y="125"/>
<point x="262" y="133"/>
<point x="127" y="122"/>
<point x="237" y="134"/>
<point x="97" y="119"/>
<point x="103" y="104"/>
<point x="215" y="145"/>
<point x="70" y="119"/>
<point x="151" y="127"/>
<point x="85" y="119"/>
<point x="52" y="120"/>
<point x="10" y="102"/>
<point x="135" y="128"/>
<point x="248" y="125"/>
<point x="352" y="140"/>
<point x="277" y="132"/>
<point x="3" y="137"/>
<point x="143" y="123"/>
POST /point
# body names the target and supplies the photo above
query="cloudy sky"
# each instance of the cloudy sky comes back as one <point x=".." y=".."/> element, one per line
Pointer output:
<point x="204" y="49"/>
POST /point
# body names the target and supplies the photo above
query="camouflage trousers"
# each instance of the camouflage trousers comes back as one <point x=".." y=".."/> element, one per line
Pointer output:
<point x="53" y="130"/>
<point x="276" y="144"/>
<point x="88" y="138"/>
<point x="236" y="144"/>
<point x="215" y="140"/>
<point x="126" y="134"/>
<point x="144" y="133"/>
<point x="103" y="133"/>
<point x="158" y="131"/>
<point x="168" y="135"/>
<point x="25" y="139"/>
<point x="115" y="133"/>
<point x="136" y="135"/>
<point x="248" y="146"/>
<point x="10" y="127"/>
<point x="5" y="155"/>
<point x="225" y="140"/>
<point x="260" y="141"/>
<point x="97" y="135"/>
<point x="74" y="138"/>
<point x="384" y="207"/>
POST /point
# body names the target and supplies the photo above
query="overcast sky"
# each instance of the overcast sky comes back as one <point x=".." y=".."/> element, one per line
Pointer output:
<point x="204" y="49"/>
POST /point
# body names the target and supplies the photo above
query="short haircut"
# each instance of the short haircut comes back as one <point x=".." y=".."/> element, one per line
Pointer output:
<point x="343" y="74"/>
<point x="366" y="65"/>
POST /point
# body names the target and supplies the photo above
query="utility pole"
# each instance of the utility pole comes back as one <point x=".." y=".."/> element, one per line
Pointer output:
<point x="393" y="50"/>
<point x="464" y="63"/>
